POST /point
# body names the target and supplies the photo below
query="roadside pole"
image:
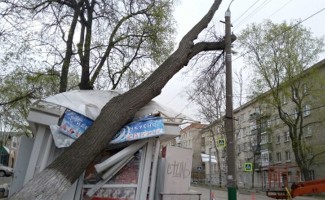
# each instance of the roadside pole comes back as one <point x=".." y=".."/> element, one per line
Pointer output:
<point x="210" y="175"/>
<point x="229" y="120"/>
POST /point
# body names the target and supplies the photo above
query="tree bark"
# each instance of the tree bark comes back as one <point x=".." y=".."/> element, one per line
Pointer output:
<point x="65" y="170"/>
<point x="68" y="53"/>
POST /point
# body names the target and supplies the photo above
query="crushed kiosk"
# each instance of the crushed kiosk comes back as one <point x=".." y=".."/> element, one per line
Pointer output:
<point x="132" y="167"/>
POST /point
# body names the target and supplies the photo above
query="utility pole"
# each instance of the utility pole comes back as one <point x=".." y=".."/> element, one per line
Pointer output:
<point x="210" y="174"/>
<point x="229" y="121"/>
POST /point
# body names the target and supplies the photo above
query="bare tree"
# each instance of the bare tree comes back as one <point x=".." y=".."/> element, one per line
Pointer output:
<point x="59" y="175"/>
<point x="239" y="80"/>
<point x="209" y="89"/>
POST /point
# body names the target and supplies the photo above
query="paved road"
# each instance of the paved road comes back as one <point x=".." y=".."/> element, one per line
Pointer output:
<point x="218" y="194"/>
<point x="222" y="195"/>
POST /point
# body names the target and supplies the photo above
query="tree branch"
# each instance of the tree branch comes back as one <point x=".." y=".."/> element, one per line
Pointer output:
<point x="59" y="175"/>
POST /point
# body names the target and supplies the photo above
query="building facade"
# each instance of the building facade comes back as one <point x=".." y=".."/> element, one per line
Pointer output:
<point x="213" y="138"/>
<point x="264" y="137"/>
<point x="190" y="138"/>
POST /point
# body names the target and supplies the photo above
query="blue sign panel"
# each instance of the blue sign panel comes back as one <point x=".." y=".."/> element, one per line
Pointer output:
<point x="74" y="124"/>
<point x="143" y="128"/>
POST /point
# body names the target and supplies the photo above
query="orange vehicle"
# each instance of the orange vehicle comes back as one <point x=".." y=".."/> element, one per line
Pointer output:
<point x="299" y="189"/>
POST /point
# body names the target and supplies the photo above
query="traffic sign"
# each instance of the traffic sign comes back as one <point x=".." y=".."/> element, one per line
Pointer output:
<point x="248" y="167"/>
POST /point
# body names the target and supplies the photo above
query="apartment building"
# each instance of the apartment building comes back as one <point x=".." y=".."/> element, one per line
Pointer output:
<point x="190" y="138"/>
<point x="263" y="137"/>
<point x="213" y="142"/>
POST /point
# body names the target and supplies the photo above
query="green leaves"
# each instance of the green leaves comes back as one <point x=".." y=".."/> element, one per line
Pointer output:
<point x="278" y="52"/>
<point x="280" y="55"/>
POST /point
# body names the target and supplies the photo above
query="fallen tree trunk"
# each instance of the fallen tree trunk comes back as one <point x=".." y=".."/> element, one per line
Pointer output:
<point x="65" y="170"/>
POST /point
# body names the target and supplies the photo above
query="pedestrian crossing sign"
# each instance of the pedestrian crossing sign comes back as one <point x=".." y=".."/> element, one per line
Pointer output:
<point x="221" y="142"/>
<point x="248" y="167"/>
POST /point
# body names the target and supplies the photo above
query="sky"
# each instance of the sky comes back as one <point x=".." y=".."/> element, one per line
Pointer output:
<point x="243" y="12"/>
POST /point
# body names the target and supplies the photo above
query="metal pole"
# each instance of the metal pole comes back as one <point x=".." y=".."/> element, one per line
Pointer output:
<point x="229" y="122"/>
<point x="210" y="172"/>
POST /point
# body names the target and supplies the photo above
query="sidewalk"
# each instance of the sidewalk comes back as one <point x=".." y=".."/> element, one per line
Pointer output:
<point x="221" y="194"/>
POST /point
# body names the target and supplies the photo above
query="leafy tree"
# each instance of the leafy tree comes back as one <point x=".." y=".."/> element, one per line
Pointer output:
<point x="279" y="54"/>
<point x="20" y="89"/>
<point x="59" y="175"/>
<point x="100" y="38"/>
<point x="53" y="46"/>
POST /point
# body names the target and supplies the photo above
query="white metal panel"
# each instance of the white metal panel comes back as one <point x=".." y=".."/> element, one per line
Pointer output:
<point x="23" y="155"/>
<point x="48" y="142"/>
<point x="141" y="171"/>
<point x="154" y="171"/>
<point x="120" y="155"/>
<point x="147" y="168"/>
<point x="35" y="153"/>
<point x="78" y="190"/>
<point x="43" y="117"/>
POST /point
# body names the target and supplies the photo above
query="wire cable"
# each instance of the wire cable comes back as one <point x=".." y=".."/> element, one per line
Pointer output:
<point x="284" y="5"/>
<point x="254" y="12"/>
<point x="245" y="11"/>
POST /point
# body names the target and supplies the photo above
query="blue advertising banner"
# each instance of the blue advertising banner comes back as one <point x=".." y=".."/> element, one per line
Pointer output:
<point x="74" y="124"/>
<point x="145" y="127"/>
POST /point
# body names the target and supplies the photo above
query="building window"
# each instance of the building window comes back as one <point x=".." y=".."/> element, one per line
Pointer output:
<point x="245" y="147"/>
<point x="306" y="110"/>
<point x="265" y="157"/>
<point x="278" y="157"/>
<point x="253" y="126"/>
<point x="264" y="138"/>
<point x="295" y="113"/>
<point x="288" y="156"/>
<point x="270" y="157"/>
<point x="307" y="131"/>
<point x="278" y="139"/>
<point x="254" y="141"/>
<point x="286" y="136"/>
<point x="305" y="89"/>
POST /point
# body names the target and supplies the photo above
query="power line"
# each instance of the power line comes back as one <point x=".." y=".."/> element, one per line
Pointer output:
<point x="280" y="8"/>
<point x="253" y="13"/>
<point x="243" y="54"/>
<point x="245" y="11"/>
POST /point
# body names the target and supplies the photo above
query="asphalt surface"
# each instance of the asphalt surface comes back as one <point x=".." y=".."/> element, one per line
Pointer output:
<point x="220" y="194"/>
